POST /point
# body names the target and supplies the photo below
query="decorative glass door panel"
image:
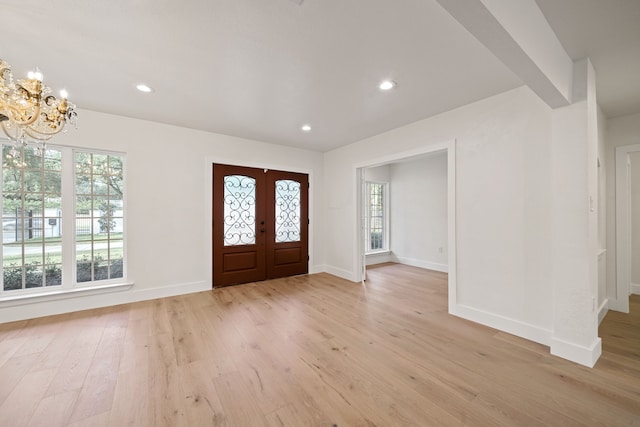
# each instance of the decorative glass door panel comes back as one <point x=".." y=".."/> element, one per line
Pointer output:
<point x="239" y="210"/>
<point x="287" y="205"/>
<point x="260" y="224"/>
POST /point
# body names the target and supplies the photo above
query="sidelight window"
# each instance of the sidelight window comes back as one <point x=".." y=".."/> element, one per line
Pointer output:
<point x="377" y="221"/>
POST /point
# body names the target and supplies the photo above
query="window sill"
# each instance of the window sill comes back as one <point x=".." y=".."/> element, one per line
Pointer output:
<point x="380" y="252"/>
<point x="15" y="300"/>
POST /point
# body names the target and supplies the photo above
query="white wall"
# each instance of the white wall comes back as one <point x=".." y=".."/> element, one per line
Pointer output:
<point x="377" y="174"/>
<point x="503" y="212"/>
<point x="169" y="201"/>
<point x="418" y="214"/>
<point x="635" y="221"/>
<point x="621" y="131"/>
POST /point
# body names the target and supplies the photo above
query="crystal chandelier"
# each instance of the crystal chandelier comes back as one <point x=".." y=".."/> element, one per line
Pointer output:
<point x="28" y="112"/>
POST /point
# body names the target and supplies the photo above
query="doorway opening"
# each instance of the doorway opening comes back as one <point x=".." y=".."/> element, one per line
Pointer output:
<point x="260" y="224"/>
<point x="396" y="160"/>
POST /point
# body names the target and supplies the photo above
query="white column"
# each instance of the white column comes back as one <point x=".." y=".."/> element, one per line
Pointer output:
<point x="574" y="212"/>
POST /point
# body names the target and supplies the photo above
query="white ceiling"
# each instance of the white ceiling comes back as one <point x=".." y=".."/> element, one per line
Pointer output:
<point x="608" y="32"/>
<point x="260" y="69"/>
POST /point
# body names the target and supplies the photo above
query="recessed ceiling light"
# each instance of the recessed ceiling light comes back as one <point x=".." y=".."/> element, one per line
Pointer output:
<point x="144" y="88"/>
<point x="387" y="85"/>
<point x="306" y="128"/>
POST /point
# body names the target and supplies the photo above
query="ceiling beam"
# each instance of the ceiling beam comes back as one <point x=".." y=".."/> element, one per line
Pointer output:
<point x="518" y="34"/>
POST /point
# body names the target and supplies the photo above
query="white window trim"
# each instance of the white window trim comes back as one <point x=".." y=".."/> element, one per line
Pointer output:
<point x="59" y="294"/>
<point x="385" y="201"/>
<point x="70" y="288"/>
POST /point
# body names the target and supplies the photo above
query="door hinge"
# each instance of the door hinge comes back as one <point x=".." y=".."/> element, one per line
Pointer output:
<point x="308" y="221"/>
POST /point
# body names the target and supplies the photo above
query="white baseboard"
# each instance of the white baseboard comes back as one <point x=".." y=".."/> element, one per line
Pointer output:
<point x="52" y="307"/>
<point x="635" y="289"/>
<point x="444" y="268"/>
<point x="344" y="274"/>
<point x="373" y="259"/>
<point x="169" y="291"/>
<point x="317" y="269"/>
<point x="587" y="356"/>
<point x="602" y="311"/>
<point x="506" y="324"/>
<point x="619" y="305"/>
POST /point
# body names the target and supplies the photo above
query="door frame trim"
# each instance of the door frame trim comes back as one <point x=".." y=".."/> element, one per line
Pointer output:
<point x="208" y="203"/>
<point x="623" y="228"/>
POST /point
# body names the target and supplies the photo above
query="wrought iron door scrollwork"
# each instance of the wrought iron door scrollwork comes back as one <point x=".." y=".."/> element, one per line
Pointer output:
<point x="287" y="211"/>
<point x="239" y="210"/>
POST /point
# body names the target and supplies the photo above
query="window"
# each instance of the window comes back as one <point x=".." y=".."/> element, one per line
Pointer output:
<point x="99" y="217"/>
<point x="377" y="225"/>
<point x="48" y="222"/>
<point x="31" y="213"/>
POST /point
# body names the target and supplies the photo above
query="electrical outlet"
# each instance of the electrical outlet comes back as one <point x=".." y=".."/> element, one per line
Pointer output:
<point x="440" y="250"/>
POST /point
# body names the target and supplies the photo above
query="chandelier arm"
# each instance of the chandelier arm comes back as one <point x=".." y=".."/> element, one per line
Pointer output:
<point x="14" y="136"/>
<point x="40" y="135"/>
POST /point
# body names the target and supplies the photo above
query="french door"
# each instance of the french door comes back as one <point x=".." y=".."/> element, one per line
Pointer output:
<point x="260" y="224"/>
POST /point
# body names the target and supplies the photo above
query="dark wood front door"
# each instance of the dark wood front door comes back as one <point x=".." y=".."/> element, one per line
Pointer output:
<point x="260" y="224"/>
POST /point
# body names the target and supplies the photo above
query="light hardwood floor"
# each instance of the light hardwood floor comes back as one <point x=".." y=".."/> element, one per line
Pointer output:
<point x="303" y="351"/>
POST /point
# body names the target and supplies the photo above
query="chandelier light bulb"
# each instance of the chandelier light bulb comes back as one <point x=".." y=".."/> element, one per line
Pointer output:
<point x="306" y="128"/>
<point x="35" y="75"/>
<point x="64" y="94"/>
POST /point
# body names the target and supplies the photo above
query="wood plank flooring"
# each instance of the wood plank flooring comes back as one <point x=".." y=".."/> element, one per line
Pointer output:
<point x="307" y="351"/>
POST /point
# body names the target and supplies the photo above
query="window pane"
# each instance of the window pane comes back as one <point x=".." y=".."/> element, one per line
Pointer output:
<point x="287" y="199"/>
<point x="33" y="276"/>
<point x="11" y="180"/>
<point x="100" y="185"/>
<point x="32" y="181"/>
<point x="83" y="184"/>
<point x="53" y="160"/>
<point x="12" y="277"/>
<point x="83" y="163"/>
<point x="52" y="182"/>
<point x="114" y="186"/>
<point x="83" y="264"/>
<point x="100" y="164"/>
<point x="116" y="269"/>
<point x="115" y="249"/>
<point x="239" y="210"/>
<point x="53" y="275"/>
<point x="115" y="165"/>
<point x="32" y="159"/>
